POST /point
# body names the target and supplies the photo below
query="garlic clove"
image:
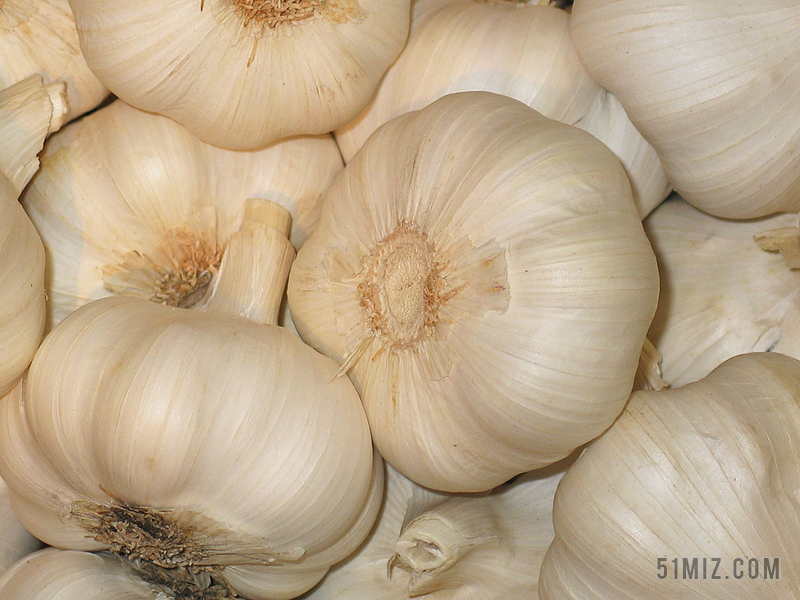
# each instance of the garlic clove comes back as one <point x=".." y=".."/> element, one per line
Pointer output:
<point x="38" y="37"/>
<point x="265" y="71"/>
<point x="519" y="49"/>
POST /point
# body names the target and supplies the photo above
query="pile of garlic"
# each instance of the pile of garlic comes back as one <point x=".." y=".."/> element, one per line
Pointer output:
<point x="393" y="299"/>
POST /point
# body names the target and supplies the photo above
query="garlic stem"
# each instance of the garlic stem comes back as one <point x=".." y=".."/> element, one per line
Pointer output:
<point x="29" y="112"/>
<point x="436" y="540"/>
<point x="252" y="277"/>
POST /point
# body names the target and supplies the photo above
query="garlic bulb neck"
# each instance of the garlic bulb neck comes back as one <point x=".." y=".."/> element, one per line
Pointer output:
<point x="274" y="13"/>
<point x="436" y="540"/>
<point x="255" y="268"/>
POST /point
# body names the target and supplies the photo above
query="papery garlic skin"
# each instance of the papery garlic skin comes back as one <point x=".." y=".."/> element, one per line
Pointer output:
<point x="437" y="546"/>
<point x="29" y="111"/>
<point x="233" y="435"/>
<point x="39" y="37"/>
<point x="712" y="86"/>
<point x="53" y="574"/>
<point x="241" y="75"/>
<point x="15" y="541"/>
<point x="482" y="274"/>
<point x="130" y="202"/>
<point x="706" y="470"/>
<point x="721" y="294"/>
<point x="521" y="50"/>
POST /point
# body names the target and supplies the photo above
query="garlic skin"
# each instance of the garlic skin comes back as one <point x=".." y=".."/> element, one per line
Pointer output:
<point x="712" y="87"/>
<point x="53" y="574"/>
<point x="456" y="254"/>
<point x="706" y="470"/>
<point x="195" y="440"/>
<point x="721" y="294"/>
<point x="442" y="546"/>
<point x="29" y="111"/>
<point x="130" y="202"/>
<point x="15" y="542"/>
<point x="38" y="37"/>
<point x="265" y="71"/>
<point x="521" y="50"/>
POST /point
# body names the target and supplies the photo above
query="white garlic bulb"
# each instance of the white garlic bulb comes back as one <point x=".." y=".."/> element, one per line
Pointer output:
<point x="242" y="74"/>
<point x="130" y="202"/>
<point x="721" y="294"/>
<point x="53" y="574"/>
<point x="519" y="49"/>
<point x="38" y="37"/>
<point x="29" y="111"/>
<point x="692" y="493"/>
<point x="712" y="86"/>
<point x="198" y="440"/>
<point x="482" y="547"/>
<point x="15" y="541"/>
<point x="482" y="274"/>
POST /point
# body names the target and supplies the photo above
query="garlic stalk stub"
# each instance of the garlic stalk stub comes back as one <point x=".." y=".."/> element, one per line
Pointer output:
<point x="482" y="274"/>
<point x="470" y="547"/>
<point x="197" y="441"/>
<point x="38" y="37"/>
<point x="712" y="86"/>
<point x="721" y="293"/>
<point x="131" y="203"/>
<point x="519" y="49"/>
<point x="265" y="70"/>
<point x="29" y="111"/>
<point x="692" y="493"/>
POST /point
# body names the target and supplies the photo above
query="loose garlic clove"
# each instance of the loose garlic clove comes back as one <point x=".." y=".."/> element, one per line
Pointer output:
<point x="482" y="274"/>
<point x="519" y="49"/>
<point x="38" y="37"/>
<point x="692" y="493"/>
<point x="131" y="203"/>
<point x="196" y="440"/>
<point x="712" y="86"/>
<point x="265" y="70"/>
<point x="721" y="293"/>
<point x="481" y="547"/>
<point x="29" y="111"/>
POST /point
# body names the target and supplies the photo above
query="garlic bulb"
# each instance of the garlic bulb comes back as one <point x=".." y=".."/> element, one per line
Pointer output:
<point x="692" y="493"/>
<point x="130" y="202"/>
<point x="52" y="574"/>
<point x="242" y="74"/>
<point x="29" y="111"/>
<point x="518" y="49"/>
<point x="482" y="274"/>
<point x="721" y="294"/>
<point x="712" y="86"/>
<point x="38" y="37"/>
<point x="196" y="440"/>
<point x="485" y="547"/>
